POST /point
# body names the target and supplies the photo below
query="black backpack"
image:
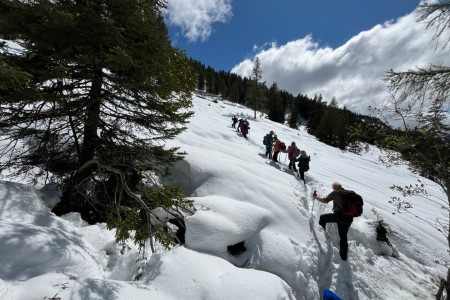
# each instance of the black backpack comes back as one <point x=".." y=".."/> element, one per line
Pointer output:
<point x="353" y="203"/>
<point x="265" y="139"/>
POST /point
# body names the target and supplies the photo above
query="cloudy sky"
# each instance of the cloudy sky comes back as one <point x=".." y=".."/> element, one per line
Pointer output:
<point x="309" y="47"/>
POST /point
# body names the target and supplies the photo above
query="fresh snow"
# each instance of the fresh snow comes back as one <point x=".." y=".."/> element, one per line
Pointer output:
<point x="239" y="195"/>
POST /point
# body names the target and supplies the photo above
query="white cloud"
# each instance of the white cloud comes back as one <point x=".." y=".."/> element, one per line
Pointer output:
<point x="195" y="18"/>
<point x="353" y="72"/>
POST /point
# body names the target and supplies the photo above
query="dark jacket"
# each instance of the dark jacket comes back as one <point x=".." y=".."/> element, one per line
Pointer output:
<point x="303" y="163"/>
<point x="269" y="141"/>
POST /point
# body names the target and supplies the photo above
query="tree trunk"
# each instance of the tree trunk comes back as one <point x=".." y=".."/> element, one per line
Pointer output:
<point x="91" y="124"/>
<point x="74" y="199"/>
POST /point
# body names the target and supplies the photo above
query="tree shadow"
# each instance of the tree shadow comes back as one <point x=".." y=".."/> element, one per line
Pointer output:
<point x="99" y="289"/>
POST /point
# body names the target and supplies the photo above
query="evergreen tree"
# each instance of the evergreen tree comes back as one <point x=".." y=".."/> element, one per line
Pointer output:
<point x="256" y="93"/>
<point x="315" y="113"/>
<point x="91" y="96"/>
<point x="234" y="92"/>
<point x="334" y="102"/>
<point x="304" y="106"/>
<point x="275" y="104"/>
<point x="295" y="113"/>
<point x="325" y="129"/>
<point x="201" y="81"/>
<point x="210" y="82"/>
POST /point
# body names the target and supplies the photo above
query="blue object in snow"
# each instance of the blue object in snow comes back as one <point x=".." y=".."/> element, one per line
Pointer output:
<point x="329" y="295"/>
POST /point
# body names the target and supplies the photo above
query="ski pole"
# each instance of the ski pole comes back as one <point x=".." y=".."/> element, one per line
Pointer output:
<point x="313" y="195"/>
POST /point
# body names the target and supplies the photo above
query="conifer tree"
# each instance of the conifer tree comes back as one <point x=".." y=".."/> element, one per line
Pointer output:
<point x="275" y="104"/>
<point x="255" y="93"/>
<point x="90" y="97"/>
<point x="293" y="117"/>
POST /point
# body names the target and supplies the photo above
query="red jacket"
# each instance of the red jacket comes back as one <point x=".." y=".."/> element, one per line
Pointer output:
<point x="290" y="151"/>
<point x="276" y="147"/>
<point x="244" y="129"/>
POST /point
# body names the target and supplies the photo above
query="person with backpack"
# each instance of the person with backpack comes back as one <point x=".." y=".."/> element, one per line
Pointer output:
<point x="279" y="145"/>
<point x="291" y="156"/>
<point x="244" y="128"/>
<point x="337" y="216"/>
<point x="303" y="164"/>
<point x="234" y="120"/>
<point x="268" y="142"/>
<point x="239" y="127"/>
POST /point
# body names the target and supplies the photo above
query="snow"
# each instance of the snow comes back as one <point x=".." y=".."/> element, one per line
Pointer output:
<point x="240" y="196"/>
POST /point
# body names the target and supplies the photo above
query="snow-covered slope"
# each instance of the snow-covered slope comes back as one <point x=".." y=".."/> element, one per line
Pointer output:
<point x="241" y="196"/>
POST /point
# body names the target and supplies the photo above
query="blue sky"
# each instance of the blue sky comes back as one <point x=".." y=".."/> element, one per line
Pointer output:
<point x="255" y="23"/>
<point x="337" y="49"/>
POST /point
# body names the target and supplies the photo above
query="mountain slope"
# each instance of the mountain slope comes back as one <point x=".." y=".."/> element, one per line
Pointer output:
<point x="240" y="196"/>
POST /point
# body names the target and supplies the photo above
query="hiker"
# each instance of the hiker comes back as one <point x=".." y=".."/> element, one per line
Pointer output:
<point x="303" y="164"/>
<point x="343" y="222"/>
<point x="279" y="145"/>
<point x="276" y="148"/>
<point x="244" y="128"/>
<point x="291" y="156"/>
<point x="241" y="121"/>
<point x="269" y="143"/>
<point x="234" y="119"/>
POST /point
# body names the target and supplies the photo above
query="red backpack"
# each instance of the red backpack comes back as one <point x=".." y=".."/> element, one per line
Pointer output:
<point x="353" y="203"/>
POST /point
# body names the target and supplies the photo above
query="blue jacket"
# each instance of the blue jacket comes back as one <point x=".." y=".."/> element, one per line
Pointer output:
<point x="269" y="139"/>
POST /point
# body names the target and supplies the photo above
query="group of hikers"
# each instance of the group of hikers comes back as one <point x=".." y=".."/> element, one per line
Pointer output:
<point x="242" y="125"/>
<point x="273" y="147"/>
<point x="294" y="154"/>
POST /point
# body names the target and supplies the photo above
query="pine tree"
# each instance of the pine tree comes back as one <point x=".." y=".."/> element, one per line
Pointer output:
<point x="275" y="104"/>
<point x="293" y="116"/>
<point x="90" y="98"/>
<point x="256" y="93"/>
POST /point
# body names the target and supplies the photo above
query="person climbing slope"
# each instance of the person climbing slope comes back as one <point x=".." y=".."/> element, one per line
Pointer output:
<point x="268" y="140"/>
<point x="234" y="120"/>
<point x="245" y="128"/>
<point x="303" y="164"/>
<point x="343" y="221"/>
<point x="276" y="148"/>
<point x="291" y="156"/>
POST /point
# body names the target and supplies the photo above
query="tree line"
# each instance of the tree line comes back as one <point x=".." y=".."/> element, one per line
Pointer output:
<point x="329" y="123"/>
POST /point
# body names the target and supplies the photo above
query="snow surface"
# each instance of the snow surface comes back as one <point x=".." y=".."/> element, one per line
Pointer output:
<point x="240" y="196"/>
